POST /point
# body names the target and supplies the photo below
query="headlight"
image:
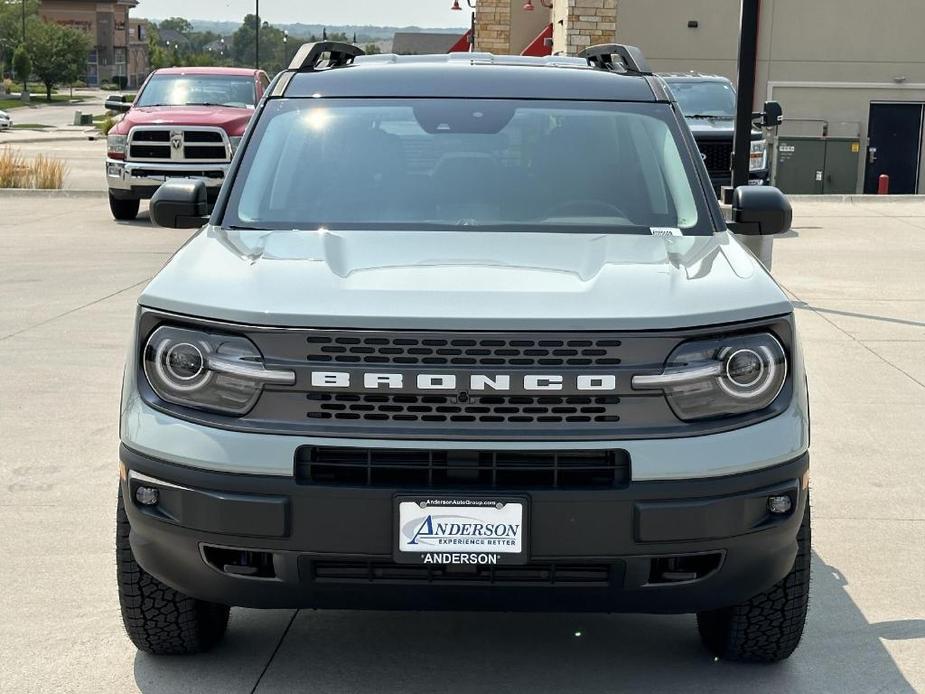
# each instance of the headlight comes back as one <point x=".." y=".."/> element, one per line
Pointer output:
<point x="235" y="143"/>
<point x="115" y="146"/>
<point x="208" y="371"/>
<point x="758" y="160"/>
<point x="721" y="377"/>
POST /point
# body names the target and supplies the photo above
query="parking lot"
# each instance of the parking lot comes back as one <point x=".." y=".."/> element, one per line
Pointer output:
<point x="69" y="278"/>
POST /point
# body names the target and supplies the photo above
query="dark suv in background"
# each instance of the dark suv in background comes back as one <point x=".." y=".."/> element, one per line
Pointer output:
<point x="708" y="103"/>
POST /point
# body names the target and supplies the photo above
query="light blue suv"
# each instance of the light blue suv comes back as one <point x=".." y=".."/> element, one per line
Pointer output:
<point x="466" y="332"/>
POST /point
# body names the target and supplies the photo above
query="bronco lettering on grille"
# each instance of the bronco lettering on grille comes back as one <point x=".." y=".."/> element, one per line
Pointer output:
<point x="473" y="382"/>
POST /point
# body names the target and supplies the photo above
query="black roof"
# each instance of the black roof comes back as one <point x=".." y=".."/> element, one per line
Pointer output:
<point x="471" y="75"/>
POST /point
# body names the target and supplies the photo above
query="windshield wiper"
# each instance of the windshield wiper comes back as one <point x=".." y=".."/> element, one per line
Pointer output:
<point x="708" y="116"/>
<point x="209" y="103"/>
<point x="236" y="227"/>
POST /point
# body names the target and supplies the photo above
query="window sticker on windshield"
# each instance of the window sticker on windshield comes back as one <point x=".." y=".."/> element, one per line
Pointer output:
<point x="665" y="231"/>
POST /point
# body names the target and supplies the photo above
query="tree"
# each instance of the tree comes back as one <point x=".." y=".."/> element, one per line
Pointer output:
<point x="11" y="28"/>
<point x="177" y="24"/>
<point x="59" y="54"/>
<point x="273" y="50"/>
<point x="372" y="49"/>
<point x="22" y="67"/>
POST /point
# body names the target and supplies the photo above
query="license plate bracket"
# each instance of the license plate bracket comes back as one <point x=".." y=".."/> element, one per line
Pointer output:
<point x="460" y="530"/>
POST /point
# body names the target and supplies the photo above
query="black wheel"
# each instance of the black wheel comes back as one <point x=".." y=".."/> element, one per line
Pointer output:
<point x="124" y="210"/>
<point x="158" y="619"/>
<point x="766" y="628"/>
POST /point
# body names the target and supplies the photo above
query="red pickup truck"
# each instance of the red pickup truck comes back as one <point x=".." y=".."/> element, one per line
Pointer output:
<point x="184" y="123"/>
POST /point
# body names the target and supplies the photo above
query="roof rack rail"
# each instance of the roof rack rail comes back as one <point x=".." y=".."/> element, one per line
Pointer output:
<point x="601" y="56"/>
<point x="309" y="57"/>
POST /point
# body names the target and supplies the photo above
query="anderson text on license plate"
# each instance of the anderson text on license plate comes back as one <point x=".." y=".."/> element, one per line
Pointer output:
<point x="459" y="531"/>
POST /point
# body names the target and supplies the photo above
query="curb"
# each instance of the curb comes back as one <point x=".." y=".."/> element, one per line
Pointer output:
<point x="50" y="140"/>
<point x="40" y="193"/>
<point x="858" y="198"/>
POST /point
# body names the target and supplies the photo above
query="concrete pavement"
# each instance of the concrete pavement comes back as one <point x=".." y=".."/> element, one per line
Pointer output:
<point x="69" y="276"/>
<point x="58" y="114"/>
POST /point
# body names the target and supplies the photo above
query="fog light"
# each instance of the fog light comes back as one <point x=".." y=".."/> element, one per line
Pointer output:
<point x="779" y="504"/>
<point x="146" y="496"/>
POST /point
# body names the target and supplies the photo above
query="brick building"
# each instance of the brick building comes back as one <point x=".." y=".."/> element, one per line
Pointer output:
<point x="552" y="26"/>
<point x="119" y="43"/>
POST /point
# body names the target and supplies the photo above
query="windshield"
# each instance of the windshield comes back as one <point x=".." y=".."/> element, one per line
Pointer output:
<point x="475" y="164"/>
<point x="717" y="99"/>
<point x="190" y="90"/>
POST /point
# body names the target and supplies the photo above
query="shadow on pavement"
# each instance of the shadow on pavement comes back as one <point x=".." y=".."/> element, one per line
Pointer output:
<point x="468" y="652"/>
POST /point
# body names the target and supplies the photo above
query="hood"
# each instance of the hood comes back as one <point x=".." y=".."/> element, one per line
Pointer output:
<point x="464" y="280"/>
<point x="232" y="120"/>
<point x="716" y="128"/>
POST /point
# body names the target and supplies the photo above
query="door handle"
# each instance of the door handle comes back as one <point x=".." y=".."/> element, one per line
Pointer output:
<point x="871" y="155"/>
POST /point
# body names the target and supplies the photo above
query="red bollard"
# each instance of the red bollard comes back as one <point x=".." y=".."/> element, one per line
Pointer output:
<point x="883" y="185"/>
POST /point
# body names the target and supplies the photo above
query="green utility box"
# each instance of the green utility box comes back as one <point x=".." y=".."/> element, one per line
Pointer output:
<point x="817" y="165"/>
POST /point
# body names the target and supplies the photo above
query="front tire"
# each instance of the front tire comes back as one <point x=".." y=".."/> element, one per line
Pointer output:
<point x="766" y="628"/>
<point x="123" y="210"/>
<point x="158" y="619"/>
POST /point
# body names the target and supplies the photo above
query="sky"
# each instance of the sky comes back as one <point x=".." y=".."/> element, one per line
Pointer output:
<point x="429" y="13"/>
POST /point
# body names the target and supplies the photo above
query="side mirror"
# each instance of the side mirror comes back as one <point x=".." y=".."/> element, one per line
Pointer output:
<point x="760" y="210"/>
<point x="180" y="204"/>
<point x="118" y="102"/>
<point x="772" y="116"/>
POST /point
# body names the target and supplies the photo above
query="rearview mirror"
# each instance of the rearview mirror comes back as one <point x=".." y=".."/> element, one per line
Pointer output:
<point x="772" y="116"/>
<point x="180" y="204"/>
<point x="118" y="102"/>
<point x="760" y="210"/>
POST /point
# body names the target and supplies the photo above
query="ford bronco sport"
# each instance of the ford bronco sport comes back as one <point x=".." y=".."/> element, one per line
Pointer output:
<point x="466" y="332"/>
<point x="184" y="123"/>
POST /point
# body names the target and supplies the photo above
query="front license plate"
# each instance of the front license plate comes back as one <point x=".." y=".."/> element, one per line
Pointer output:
<point x="460" y="531"/>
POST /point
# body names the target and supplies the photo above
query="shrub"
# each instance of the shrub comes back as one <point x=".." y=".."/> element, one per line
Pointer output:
<point x="45" y="172"/>
<point x="8" y="85"/>
<point x="14" y="172"/>
<point x="79" y="84"/>
<point x="48" y="173"/>
<point x="106" y="124"/>
<point x="109" y="87"/>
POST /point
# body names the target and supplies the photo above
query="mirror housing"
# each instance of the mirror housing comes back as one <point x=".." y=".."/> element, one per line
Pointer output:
<point x="771" y="117"/>
<point x="760" y="211"/>
<point x="180" y="204"/>
<point x="117" y="102"/>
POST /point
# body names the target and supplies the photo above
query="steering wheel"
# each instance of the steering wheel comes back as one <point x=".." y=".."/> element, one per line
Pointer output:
<point x="585" y="206"/>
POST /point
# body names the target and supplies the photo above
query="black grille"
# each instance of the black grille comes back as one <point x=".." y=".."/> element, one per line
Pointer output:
<point x="717" y="155"/>
<point x="485" y="409"/>
<point x="578" y="575"/>
<point x="429" y="350"/>
<point x="199" y="145"/>
<point x="202" y="136"/>
<point x="150" y="151"/>
<point x="151" y="136"/>
<point x="205" y="152"/>
<point x="495" y="469"/>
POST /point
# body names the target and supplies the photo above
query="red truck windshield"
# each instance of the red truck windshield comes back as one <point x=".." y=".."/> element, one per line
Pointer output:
<point x="198" y="90"/>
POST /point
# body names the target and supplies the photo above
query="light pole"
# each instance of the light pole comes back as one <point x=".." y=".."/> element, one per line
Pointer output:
<point x="25" y="79"/>
<point x="257" y="40"/>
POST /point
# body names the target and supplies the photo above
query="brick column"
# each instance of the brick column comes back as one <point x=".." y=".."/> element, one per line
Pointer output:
<point x="578" y="24"/>
<point x="493" y="26"/>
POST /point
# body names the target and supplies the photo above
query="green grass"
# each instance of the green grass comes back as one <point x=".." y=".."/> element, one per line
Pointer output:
<point x="29" y="126"/>
<point x="56" y="100"/>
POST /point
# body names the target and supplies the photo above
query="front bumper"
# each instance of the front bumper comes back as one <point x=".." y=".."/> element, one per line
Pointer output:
<point x="593" y="550"/>
<point x="141" y="179"/>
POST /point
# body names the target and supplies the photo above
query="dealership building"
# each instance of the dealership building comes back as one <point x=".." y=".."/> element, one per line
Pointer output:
<point x="120" y="43"/>
<point x="850" y="74"/>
